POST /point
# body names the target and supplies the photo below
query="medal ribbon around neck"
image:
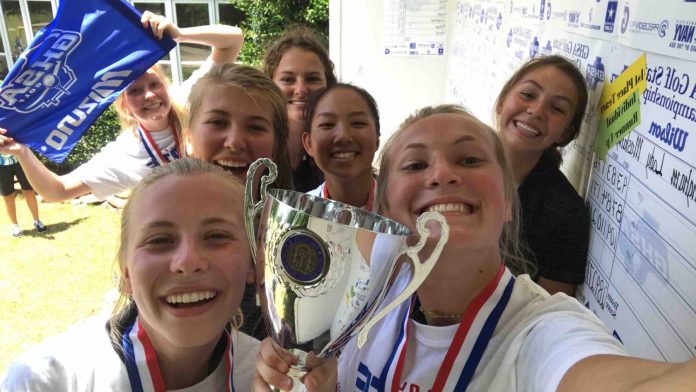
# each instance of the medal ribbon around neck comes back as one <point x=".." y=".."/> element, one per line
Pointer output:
<point x="144" y="373"/>
<point x="370" y="197"/>
<point x="463" y="356"/>
<point x="151" y="147"/>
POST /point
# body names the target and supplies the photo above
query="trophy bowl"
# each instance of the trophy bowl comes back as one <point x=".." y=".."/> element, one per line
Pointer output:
<point x="322" y="268"/>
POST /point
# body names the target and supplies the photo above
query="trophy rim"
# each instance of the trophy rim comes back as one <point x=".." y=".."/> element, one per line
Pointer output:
<point x="399" y="228"/>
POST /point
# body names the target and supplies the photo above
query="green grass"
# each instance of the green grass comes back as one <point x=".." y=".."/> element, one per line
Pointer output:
<point x="52" y="280"/>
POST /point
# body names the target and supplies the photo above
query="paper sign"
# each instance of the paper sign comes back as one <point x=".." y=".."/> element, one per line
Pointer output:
<point x="619" y="106"/>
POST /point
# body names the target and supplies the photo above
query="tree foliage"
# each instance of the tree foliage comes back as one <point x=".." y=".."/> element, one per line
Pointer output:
<point x="105" y="129"/>
<point x="266" y="20"/>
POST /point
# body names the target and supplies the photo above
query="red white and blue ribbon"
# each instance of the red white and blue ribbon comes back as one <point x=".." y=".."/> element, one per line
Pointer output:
<point x="156" y="156"/>
<point x="370" y="198"/>
<point x="140" y="357"/>
<point x="469" y="343"/>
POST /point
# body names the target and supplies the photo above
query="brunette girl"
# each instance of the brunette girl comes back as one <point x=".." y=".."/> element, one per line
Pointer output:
<point x="299" y="64"/>
<point x="342" y="136"/>
<point x="540" y="110"/>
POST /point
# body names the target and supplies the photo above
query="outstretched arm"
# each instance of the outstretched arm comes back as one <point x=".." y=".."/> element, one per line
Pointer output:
<point x="617" y="373"/>
<point x="49" y="185"/>
<point x="226" y="41"/>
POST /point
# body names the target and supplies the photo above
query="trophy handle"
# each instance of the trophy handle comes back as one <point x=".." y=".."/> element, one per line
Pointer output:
<point x="420" y="270"/>
<point x="251" y="208"/>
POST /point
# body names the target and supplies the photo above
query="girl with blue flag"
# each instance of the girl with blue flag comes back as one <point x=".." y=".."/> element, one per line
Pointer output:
<point x="474" y="324"/>
<point x="149" y="117"/>
<point x="182" y="267"/>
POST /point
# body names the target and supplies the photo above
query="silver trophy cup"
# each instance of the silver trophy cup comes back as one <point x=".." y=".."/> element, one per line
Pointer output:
<point x="323" y="267"/>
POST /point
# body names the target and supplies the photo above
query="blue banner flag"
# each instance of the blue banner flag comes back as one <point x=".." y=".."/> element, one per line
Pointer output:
<point x="74" y="69"/>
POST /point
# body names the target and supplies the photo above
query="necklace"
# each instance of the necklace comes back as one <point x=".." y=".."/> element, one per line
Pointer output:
<point x="435" y="318"/>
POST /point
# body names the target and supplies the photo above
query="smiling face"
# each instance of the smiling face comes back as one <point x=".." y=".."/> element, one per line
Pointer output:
<point x="537" y="111"/>
<point x="344" y="138"/>
<point x="299" y="73"/>
<point x="186" y="261"/>
<point x="232" y="128"/>
<point x="147" y="100"/>
<point x="447" y="163"/>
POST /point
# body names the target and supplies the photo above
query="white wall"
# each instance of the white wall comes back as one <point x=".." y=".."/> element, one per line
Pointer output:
<point x="399" y="84"/>
<point x="642" y="256"/>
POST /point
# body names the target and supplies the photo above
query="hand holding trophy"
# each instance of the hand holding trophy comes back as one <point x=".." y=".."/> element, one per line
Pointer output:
<point x="323" y="268"/>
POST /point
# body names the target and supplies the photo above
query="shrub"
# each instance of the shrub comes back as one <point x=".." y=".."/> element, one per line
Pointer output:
<point x="266" y="20"/>
<point x="104" y="130"/>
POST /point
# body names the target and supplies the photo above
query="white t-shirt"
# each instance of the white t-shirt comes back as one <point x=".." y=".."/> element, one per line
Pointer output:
<point x="82" y="359"/>
<point x="538" y="338"/>
<point x="123" y="162"/>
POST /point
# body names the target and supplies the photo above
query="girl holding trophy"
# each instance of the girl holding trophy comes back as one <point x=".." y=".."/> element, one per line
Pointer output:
<point x="342" y="135"/>
<point x="182" y="267"/>
<point x="478" y="327"/>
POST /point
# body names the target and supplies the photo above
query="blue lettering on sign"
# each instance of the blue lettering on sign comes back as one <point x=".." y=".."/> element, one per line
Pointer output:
<point x="624" y="22"/>
<point x="595" y="73"/>
<point x="684" y="32"/>
<point x="672" y="136"/>
<point x="534" y="48"/>
<point x="610" y="16"/>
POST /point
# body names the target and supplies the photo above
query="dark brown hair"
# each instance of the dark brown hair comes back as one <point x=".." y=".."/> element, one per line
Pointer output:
<point x="569" y="69"/>
<point x="298" y="36"/>
<point x="315" y="97"/>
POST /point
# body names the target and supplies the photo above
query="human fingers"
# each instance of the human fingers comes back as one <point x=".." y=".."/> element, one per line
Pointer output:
<point x="322" y="377"/>
<point x="145" y="18"/>
<point x="157" y="23"/>
<point x="272" y="365"/>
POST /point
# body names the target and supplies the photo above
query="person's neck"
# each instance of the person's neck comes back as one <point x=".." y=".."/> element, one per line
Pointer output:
<point x="354" y="191"/>
<point x="295" y="148"/>
<point x="156" y="125"/>
<point x="522" y="163"/>
<point x="457" y="278"/>
<point x="182" y="367"/>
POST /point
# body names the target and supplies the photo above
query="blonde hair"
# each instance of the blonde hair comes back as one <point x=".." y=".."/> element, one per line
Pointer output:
<point x="125" y="308"/>
<point x="257" y="86"/>
<point x="509" y="242"/>
<point x="126" y="119"/>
